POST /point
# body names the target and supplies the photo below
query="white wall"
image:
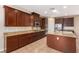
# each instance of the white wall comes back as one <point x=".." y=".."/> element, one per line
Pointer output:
<point x="76" y="24"/>
<point x="16" y="29"/>
<point x="51" y="22"/>
<point x="1" y="28"/>
<point x="76" y="29"/>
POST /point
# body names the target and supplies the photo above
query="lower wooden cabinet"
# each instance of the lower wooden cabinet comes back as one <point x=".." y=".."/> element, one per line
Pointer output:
<point x="18" y="41"/>
<point x="62" y="43"/>
<point x="11" y="43"/>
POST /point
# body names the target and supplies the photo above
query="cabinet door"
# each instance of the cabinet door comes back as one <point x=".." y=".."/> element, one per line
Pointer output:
<point x="68" y="22"/>
<point x="70" y="45"/>
<point x="56" y="42"/>
<point x="21" y="40"/>
<point x="58" y="20"/>
<point x="27" y="19"/>
<point x="20" y="18"/>
<point x="24" y="39"/>
<point x="34" y="17"/>
<point x="42" y="23"/>
<point x="10" y="16"/>
<point x="11" y="44"/>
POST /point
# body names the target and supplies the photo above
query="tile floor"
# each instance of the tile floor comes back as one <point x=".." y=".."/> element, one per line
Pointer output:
<point x="39" y="46"/>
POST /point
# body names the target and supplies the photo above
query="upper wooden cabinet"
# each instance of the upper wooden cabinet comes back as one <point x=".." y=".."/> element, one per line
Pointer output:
<point x="20" y="18"/>
<point x="68" y="21"/>
<point x="14" y="17"/>
<point x="58" y="20"/>
<point x="34" y="17"/>
<point x="43" y="23"/>
<point x="27" y="19"/>
<point x="10" y="16"/>
<point x="65" y="21"/>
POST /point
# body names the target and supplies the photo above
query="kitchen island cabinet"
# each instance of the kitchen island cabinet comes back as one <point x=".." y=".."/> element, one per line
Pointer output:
<point x="62" y="43"/>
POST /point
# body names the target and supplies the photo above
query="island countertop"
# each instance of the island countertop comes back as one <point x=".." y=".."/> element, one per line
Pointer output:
<point x="63" y="33"/>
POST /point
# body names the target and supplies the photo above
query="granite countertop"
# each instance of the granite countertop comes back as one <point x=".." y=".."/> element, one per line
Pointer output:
<point x="63" y="33"/>
<point x="20" y="32"/>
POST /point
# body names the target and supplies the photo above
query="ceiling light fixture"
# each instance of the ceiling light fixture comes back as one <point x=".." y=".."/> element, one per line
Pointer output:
<point x="45" y="12"/>
<point x="64" y="7"/>
<point x="53" y="10"/>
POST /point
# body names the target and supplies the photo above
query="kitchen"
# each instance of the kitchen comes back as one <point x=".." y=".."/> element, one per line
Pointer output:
<point x="23" y="27"/>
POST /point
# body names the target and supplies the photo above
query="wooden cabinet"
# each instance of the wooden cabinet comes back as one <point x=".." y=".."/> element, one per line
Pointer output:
<point x="11" y="43"/>
<point x="70" y="45"/>
<point x="24" y="39"/>
<point x="20" y="18"/>
<point x="62" y="43"/>
<point x="14" y="17"/>
<point x="43" y="23"/>
<point x="27" y="19"/>
<point x="18" y="41"/>
<point x="10" y="16"/>
<point x="68" y="22"/>
<point x="59" y="20"/>
<point x="65" y="21"/>
<point x="34" y="17"/>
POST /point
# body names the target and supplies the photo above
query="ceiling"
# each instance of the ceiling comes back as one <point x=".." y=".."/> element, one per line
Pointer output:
<point x="45" y="10"/>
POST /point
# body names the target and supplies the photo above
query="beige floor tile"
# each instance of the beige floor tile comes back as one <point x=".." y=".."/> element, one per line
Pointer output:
<point x="39" y="46"/>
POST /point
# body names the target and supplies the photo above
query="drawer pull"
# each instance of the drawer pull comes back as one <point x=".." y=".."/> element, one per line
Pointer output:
<point x="57" y="38"/>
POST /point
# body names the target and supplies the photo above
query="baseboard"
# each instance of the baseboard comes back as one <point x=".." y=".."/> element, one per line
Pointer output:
<point x="2" y="51"/>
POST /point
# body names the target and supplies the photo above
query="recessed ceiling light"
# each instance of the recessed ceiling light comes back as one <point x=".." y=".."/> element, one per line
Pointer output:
<point x="45" y="12"/>
<point x="64" y="6"/>
<point x="54" y="11"/>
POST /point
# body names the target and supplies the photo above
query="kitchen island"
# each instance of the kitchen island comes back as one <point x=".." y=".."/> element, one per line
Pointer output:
<point x="63" y="41"/>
